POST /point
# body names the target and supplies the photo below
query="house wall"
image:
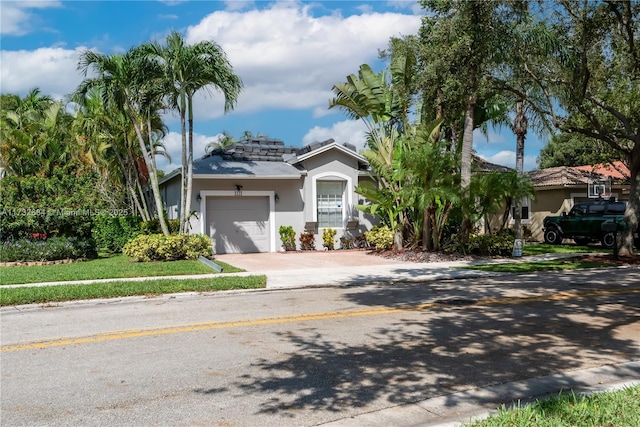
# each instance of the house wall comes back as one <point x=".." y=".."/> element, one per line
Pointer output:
<point x="287" y="208"/>
<point x="171" y="197"/>
<point x="333" y="165"/>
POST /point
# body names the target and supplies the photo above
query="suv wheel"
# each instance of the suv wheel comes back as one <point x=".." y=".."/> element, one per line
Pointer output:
<point x="552" y="236"/>
<point x="608" y="240"/>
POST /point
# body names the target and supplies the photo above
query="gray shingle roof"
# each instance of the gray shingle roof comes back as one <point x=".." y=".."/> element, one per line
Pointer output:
<point x="561" y="175"/>
<point x="218" y="165"/>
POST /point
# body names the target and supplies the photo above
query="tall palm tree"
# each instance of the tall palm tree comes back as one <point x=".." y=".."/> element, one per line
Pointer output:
<point x="187" y="69"/>
<point x="125" y="82"/>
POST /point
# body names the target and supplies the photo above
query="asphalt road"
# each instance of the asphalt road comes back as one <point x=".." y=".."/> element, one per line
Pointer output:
<point x="308" y="356"/>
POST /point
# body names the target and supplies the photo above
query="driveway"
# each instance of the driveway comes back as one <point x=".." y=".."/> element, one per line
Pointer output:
<point x="302" y="260"/>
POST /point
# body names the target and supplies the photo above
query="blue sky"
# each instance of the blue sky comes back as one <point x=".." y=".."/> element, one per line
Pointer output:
<point x="288" y="54"/>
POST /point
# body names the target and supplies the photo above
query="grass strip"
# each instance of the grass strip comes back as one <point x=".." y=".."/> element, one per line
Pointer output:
<point x="105" y="267"/>
<point x="529" y="267"/>
<point x="531" y="248"/>
<point x="615" y="408"/>
<point x="45" y="294"/>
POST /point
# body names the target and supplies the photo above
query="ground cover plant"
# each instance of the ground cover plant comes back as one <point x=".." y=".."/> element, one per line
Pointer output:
<point x="615" y="408"/>
<point x="105" y="267"/>
<point x="48" y="294"/>
<point x="544" y="248"/>
<point x="40" y="248"/>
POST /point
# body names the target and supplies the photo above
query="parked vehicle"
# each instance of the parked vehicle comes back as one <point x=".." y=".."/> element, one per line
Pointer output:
<point x="587" y="222"/>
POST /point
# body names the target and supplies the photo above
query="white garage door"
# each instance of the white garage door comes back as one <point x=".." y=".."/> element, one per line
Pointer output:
<point x="239" y="224"/>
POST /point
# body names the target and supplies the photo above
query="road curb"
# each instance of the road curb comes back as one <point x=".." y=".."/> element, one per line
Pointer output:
<point x="457" y="409"/>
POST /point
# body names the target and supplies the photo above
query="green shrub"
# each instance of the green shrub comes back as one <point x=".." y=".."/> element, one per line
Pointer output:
<point x="51" y="249"/>
<point x="158" y="247"/>
<point x="308" y="241"/>
<point x="111" y="233"/>
<point x="381" y="237"/>
<point x="288" y="237"/>
<point x="491" y="244"/>
<point x="61" y="205"/>
<point x="328" y="238"/>
<point x="153" y="226"/>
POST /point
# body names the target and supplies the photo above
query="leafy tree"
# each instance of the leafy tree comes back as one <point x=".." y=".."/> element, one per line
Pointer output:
<point x="125" y="83"/>
<point x="595" y="93"/>
<point x="461" y="43"/>
<point x="572" y="149"/>
<point x="187" y="69"/>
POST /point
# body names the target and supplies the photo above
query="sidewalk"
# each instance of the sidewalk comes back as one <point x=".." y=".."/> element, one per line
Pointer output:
<point x="460" y="408"/>
<point x="388" y="272"/>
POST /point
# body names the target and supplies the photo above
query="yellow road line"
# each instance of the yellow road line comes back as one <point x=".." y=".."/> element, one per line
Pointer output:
<point x="194" y="327"/>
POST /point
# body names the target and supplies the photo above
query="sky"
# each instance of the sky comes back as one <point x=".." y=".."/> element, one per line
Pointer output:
<point x="288" y="54"/>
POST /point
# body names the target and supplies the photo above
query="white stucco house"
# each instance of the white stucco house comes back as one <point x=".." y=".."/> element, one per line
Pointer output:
<point x="243" y="193"/>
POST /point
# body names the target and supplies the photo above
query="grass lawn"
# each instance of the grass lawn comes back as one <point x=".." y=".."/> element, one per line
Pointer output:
<point x="544" y="248"/>
<point x="616" y="408"/>
<point x="104" y="267"/>
<point x="528" y="267"/>
<point x="44" y="294"/>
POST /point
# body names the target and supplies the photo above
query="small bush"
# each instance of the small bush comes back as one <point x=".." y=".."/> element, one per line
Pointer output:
<point x="153" y="226"/>
<point x="52" y="249"/>
<point x="381" y="237"/>
<point x="288" y="237"/>
<point x="111" y="233"/>
<point x="491" y="244"/>
<point x="308" y="241"/>
<point x="158" y="247"/>
<point x="328" y="236"/>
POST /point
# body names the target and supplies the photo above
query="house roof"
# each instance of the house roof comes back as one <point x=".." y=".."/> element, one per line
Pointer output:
<point x="615" y="170"/>
<point x="316" y="148"/>
<point x="561" y="176"/>
<point x="260" y="158"/>
<point x="481" y="165"/>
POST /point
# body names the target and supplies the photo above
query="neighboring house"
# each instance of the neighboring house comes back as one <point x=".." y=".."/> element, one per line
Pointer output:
<point x="558" y="188"/>
<point x="243" y="193"/>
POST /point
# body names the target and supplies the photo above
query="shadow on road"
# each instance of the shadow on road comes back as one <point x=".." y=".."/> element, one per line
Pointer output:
<point x="445" y="349"/>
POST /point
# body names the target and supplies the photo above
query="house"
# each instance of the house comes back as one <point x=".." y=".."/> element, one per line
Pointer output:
<point x="558" y="188"/>
<point x="243" y="193"/>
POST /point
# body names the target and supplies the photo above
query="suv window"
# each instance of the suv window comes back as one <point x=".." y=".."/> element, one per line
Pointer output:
<point x="617" y="208"/>
<point x="596" y="209"/>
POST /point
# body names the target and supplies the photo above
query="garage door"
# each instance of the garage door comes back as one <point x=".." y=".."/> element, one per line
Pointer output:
<point x="239" y="224"/>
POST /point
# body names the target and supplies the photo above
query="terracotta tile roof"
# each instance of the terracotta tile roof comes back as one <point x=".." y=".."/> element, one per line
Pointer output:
<point x="616" y="170"/>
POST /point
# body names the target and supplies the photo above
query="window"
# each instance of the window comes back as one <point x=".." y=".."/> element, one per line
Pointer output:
<point x="330" y="204"/>
<point x="524" y="211"/>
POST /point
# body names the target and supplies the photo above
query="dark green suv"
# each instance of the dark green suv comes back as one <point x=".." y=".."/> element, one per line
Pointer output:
<point x="584" y="223"/>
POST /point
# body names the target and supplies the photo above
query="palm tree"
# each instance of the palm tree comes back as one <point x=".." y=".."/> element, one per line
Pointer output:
<point x="125" y="82"/>
<point x="186" y="69"/>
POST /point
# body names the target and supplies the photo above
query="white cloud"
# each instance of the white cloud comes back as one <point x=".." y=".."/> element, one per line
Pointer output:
<point x="173" y="145"/>
<point x="491" y="137"/>
<point x="287" y="57"/>
<point x="508" y="158"/>
<point x="351" y="131"/>
<point x="16" y="18"/>
<point x="53" y="70"/>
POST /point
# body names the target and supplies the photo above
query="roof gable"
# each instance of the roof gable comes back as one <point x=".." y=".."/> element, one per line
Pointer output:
<point x="317" y="148"/>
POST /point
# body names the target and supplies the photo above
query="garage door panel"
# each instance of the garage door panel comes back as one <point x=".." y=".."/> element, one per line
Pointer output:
<point x="239" y="224"/>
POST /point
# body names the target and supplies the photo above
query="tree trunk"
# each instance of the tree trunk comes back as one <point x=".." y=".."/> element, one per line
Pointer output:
<point x="187" y="206"/>
<point x="633" y="208"/>
<point x="183" y="194"/>
<point x="520" y="129"/>
<point x="153" y="177"/>
<point x="465" y="164"/>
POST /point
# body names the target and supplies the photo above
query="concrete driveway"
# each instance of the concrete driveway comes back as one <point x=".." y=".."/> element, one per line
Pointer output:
<point x="278" y="261"/>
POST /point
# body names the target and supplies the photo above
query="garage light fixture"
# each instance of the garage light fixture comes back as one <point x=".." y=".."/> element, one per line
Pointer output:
<point x="199" y="198"/>
<point x="276" y="197"/>
<point x="238" y="190"/>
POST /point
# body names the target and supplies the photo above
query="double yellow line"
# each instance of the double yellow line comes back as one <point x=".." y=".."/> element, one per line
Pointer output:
<point x="195" y="327"/>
